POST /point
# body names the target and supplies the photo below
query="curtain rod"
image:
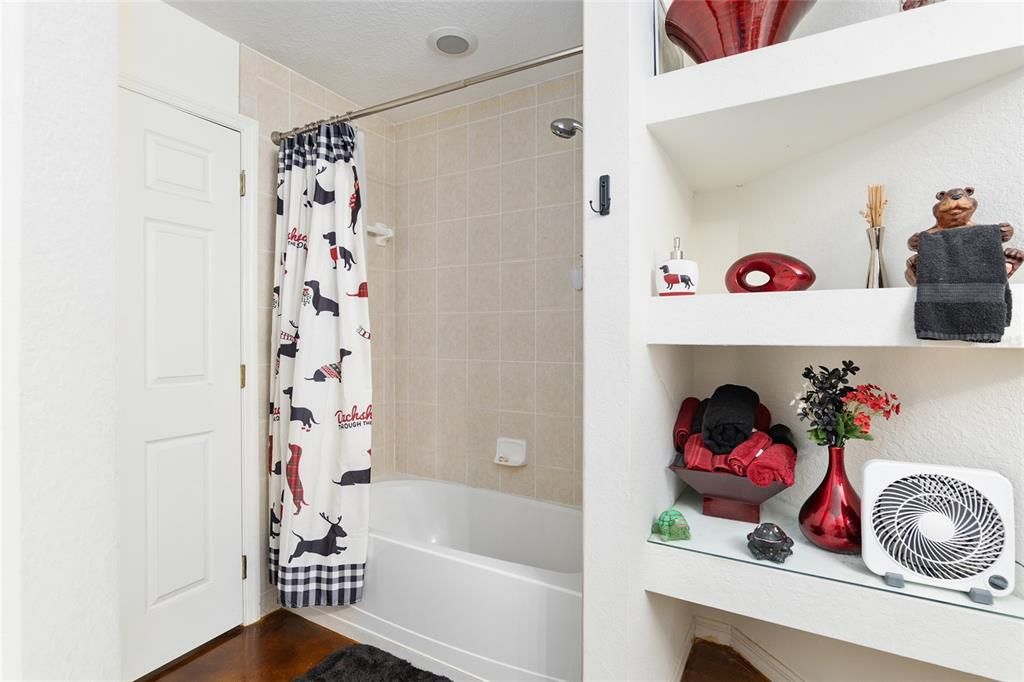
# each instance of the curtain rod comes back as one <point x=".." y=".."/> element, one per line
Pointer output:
<point x="432" y="92"/>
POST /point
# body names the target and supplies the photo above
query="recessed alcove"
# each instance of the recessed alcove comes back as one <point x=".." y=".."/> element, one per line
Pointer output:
<point x="961" y="407"/>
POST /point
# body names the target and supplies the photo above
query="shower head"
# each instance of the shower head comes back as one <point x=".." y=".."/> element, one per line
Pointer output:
<point x="565" y="127"/>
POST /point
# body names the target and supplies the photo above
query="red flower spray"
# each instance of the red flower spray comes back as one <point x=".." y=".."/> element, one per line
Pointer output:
<point x="837" y="411"/>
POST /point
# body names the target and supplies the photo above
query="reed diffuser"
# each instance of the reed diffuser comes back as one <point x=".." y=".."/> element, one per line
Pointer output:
<point x="874" y="214"/>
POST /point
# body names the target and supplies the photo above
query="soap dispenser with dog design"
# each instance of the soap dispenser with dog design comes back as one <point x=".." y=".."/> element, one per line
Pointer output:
<point x="676" y="276"/>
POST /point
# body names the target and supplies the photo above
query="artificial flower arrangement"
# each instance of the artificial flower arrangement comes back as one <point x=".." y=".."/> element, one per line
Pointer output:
<point x="838" y="412"/>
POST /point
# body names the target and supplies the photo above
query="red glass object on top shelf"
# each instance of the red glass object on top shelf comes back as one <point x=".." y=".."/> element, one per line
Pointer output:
<point x="830" y="518"/>
<point x="712" y="29"/>
<point x="785" y="273"/>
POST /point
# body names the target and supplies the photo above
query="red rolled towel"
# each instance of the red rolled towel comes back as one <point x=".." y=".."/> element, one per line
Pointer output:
<point x="776" y="463"/>
<point x="684" y="423"/>
<point x="718" y="463"/>
<point x="695" y="455"/>
<point x="762" y="418"/>
<point x="743" y="454"/>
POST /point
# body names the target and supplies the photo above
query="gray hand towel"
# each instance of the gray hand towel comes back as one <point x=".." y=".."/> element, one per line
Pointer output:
<point x="962" y="293"/>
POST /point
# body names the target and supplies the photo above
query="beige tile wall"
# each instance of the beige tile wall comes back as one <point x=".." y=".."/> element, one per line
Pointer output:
<point x="487" y="324"/>
<point x="279" y="99"/>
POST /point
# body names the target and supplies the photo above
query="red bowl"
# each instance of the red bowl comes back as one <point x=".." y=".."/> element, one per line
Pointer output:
<point x="728" y="496"/>
<point x="712" y="29"/>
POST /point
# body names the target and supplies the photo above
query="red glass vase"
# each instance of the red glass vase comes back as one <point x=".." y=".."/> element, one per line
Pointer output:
<point x="711" y="29"/>
<point x="785" y="273"/>
<point x="830" y="518"/>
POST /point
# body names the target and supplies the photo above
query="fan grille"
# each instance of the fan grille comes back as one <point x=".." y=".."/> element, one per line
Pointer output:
<point x="977" y="533"/>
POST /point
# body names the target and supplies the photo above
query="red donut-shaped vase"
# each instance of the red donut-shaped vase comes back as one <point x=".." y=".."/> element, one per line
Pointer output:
<point x="785" y="273"/>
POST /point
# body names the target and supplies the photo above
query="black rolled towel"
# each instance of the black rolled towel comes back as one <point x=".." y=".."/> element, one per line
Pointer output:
<point x="729" y="418"/>
<point x="780" y="433"/>
<point x="962" y="292"/>
<point x="698" y="417"/>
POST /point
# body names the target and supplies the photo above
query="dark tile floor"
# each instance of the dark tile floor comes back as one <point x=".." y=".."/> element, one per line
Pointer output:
<point x="279" y="647"/>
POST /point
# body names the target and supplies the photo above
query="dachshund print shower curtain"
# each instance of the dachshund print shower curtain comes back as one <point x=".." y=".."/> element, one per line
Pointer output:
<point x="320" y="390"/>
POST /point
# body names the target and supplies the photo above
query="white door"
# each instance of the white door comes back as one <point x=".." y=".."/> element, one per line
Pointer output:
<point x="178" y="400"/>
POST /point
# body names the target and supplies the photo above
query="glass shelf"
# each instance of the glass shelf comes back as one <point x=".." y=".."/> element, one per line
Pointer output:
<point x="727" y="540"/>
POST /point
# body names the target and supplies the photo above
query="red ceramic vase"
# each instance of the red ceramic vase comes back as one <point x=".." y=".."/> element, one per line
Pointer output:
<point x="785" y="273"/>
<point x="712" y="29"/>
<point x="830" y="518"/>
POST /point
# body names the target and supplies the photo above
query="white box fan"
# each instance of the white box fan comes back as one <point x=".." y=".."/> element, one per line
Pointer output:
<point x="945" y="526"/>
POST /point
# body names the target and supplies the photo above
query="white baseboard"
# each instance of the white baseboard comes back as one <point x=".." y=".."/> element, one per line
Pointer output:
<point x="712" y="630"/>
<point x="691" y="634"/>
<point x="723" y="633"/>
<point x="771" y="667"/>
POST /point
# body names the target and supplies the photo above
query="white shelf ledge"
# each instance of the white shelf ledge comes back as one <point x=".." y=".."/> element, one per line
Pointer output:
<point x="833" y="595"/>
<point x="809" y="94"/>
<point x="869" y="317"/>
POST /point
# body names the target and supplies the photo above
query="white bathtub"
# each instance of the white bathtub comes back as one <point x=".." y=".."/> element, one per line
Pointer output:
<point x="470" y="583"/>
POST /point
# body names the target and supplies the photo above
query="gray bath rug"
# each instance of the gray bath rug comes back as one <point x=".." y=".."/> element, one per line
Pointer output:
<point x="365" y="663"/>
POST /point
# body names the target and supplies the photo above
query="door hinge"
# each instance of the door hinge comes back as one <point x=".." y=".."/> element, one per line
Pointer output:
<point x="245" y="567"/>
<point x="241" y="376"/>
<point x="241" y="184"/>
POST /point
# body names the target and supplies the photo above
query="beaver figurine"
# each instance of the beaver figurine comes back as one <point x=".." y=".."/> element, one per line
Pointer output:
<point x="955" y="208"/>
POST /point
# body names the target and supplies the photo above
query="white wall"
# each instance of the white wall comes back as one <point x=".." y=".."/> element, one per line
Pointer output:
<point x="607" y="531"/>
<point x="58" y="269"/>
<point x="628" y="633"/>
<point x="166" y="48"/>
<point x="10" y="123"/>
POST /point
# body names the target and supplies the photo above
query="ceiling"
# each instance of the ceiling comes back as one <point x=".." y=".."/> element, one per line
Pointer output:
<point x="370" y="51"/>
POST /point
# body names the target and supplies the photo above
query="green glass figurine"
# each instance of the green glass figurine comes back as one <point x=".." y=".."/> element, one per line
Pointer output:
<point x="671" y="525"/>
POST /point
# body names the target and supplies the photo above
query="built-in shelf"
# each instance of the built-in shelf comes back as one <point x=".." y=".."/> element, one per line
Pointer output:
<point x="731" y="120"/>
<point x="826" y="593"/>
<point x="875" y="317"/>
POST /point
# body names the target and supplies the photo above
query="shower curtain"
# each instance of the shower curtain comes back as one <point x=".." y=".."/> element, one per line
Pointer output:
<point x="320" y="387"/>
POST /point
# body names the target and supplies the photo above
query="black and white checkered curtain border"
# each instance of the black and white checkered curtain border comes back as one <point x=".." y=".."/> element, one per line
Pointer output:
<point x="316" y="585"/>
<point x="334" y="142"/>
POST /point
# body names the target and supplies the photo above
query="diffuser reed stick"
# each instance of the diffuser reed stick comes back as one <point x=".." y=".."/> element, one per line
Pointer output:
<point x="876" y="206"/>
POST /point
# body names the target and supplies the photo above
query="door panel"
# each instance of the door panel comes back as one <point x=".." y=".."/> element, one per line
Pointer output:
<point x="178" y="544"/>
<point x="178" y="401"/>
<point x="177" y="308"/>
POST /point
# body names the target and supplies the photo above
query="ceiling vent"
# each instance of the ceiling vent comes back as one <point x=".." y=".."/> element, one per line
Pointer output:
<point x="452" y="41"/>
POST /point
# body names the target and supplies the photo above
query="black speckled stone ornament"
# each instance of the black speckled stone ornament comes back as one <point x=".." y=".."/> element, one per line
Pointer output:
<point x="768" y="542"/>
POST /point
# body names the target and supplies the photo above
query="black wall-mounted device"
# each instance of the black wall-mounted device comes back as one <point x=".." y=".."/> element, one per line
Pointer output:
<point x="604" y="196"/>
